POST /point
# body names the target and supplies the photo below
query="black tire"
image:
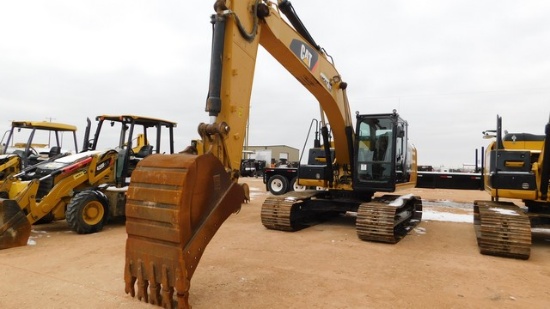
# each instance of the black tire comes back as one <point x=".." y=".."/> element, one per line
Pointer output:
<point x="295" y="186"/>
<point x="277" y="185"/>
<point x="86" y="213"/>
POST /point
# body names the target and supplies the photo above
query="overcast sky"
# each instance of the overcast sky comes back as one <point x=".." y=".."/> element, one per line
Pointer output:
<point x="448" y="67"/>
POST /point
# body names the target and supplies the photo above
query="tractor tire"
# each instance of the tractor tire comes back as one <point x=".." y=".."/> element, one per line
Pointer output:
<point x="295" y="186"/>
<point x="277" y="185"/>
<point x="86" y="214"/>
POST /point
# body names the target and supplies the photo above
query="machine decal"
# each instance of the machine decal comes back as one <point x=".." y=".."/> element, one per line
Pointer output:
<point x="79" y="174"/>
<point x="325" y="80"/>
<point x="102" y="166"/>
<point x="307" y="54"/>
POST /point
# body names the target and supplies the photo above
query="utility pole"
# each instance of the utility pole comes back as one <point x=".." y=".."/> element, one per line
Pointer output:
<point x="49" y="133"/>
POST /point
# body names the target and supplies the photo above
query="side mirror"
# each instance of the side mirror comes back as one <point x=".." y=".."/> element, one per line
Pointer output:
<point x="400" y="131"/>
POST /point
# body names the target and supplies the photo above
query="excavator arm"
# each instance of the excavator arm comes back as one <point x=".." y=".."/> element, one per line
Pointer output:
<point x="239" y="28"/>
<point x="176" y="203"/>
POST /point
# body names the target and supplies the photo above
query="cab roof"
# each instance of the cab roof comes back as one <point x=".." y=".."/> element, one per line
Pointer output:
<point x="147" y="121"/>
<point x="43" y="125"/>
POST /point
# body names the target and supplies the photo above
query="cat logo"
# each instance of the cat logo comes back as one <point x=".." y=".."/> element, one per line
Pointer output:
<point x="305" y="53"/>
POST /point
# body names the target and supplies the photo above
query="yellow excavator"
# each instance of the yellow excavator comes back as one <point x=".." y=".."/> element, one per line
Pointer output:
<point x="87" y="188"/>
<point x="516" y="166"/>
<point x="176" y="203"/>
<point x="43" y="141"/>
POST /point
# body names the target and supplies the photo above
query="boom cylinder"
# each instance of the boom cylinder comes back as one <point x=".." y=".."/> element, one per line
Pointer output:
<point x="214" y="102"/>
<point x="326" y="142"/>
<point x="286" y="7"/>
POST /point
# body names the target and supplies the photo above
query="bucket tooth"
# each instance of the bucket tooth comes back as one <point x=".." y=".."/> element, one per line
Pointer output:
<point x="167" y="290"/>
<point x="154" y="286"/>
<point x="129" y="280"/>
<point x="175" y="205"/>
<point x="141" y="283"/>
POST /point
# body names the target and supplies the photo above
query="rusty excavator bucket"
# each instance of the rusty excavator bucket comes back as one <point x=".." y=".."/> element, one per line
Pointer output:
<point x="15" y="229"/>
<point x="175" y="205"/>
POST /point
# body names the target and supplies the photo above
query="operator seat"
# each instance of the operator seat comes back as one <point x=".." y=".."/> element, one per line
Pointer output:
<point x="144" y="151"/>
<point x="54" y="151"/>
<point x="133" y="160"/>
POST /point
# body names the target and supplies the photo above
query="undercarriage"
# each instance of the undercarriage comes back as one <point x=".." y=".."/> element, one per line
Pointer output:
<point x="384" y="219"/>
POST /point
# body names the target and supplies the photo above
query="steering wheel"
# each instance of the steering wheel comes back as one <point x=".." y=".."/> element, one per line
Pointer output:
<point x="33" y="151"/>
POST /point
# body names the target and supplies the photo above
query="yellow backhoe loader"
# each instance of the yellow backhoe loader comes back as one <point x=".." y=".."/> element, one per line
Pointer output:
<point x="86" y="188"/>
<point x="176" y="203"/>
<point x="42" y="141"/>
<point x="516" y="166"/>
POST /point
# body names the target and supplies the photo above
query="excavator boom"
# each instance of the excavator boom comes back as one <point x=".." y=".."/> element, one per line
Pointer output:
<point x="238" y="32"/>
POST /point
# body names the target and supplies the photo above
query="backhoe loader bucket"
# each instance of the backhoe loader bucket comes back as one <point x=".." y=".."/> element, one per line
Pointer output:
<point x="175" y="205"/>
<point x="15" y="229"/>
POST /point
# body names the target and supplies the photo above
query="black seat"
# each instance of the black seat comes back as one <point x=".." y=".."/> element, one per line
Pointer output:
<point x="144" y="151"/>
<point x="54" y="151"/>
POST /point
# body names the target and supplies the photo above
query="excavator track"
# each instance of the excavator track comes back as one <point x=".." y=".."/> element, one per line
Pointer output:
<point x="389" y="218"/>
<point x="502" y="229"/>
<point x="276" y="214"/>
<point x="284" y="212"/>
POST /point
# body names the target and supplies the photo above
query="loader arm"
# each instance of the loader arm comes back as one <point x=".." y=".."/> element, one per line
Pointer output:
<point x="9" y="164"/>
<point x="177" y="203"/>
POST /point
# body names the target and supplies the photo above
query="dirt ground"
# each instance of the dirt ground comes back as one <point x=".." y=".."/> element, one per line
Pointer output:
<point x="325" y="266"/>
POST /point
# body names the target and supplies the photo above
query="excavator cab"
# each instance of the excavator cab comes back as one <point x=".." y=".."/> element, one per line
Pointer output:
<point x="383" y="155"/>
